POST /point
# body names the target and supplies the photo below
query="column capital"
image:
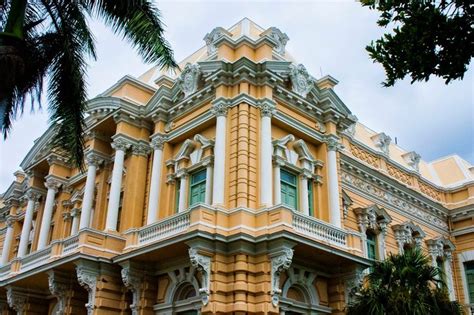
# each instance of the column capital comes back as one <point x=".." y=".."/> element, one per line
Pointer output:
<point x="121" y="143"/>
<point x="32" y="195"/>
<point x="94" y="159"/>
<point x="267" y="109"/>
<point x="10" y="221"/>
<point x="333" y="144"/>
<point x="157" y="142"/>
<point x="219" y="109"/>
<point x="75" y="212"/>
<point x="141" y="149"/>
<point x="53" y="184"/>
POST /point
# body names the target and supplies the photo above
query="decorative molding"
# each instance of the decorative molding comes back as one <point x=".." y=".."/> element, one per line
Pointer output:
<point x="141" y="149"/>
<point x="158" y="142"/>
<point x="94" y="158"/>
<point x="16" y="300"/>
<point x="267" y="109"/>
<point x="53" y="183"/>
<point x="280" y="261"/>
<point x="408" y="233"/>
<point x="279" y="37"/>
<point x="413" y="159"/>
<point x="87" y="274"/>
<point x="346" y="204"/>
<point x="212" y="37"/>
<point x="382" y="141"/>
<point x="189" y="79"/>
<point x="58" y="286"/>
<point x="202" y="264"/>
<point x="219" y="109"/>
<point x="301" y="81"/>
<point x="205" y="142"/>
<point x="132" y="278"/>
<point x="333" y="144"/>
<point x="121" y="143"/>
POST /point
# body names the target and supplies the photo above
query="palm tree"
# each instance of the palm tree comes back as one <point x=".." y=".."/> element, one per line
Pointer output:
<point x="51" y="39"/>
<point x="403" y="284"/>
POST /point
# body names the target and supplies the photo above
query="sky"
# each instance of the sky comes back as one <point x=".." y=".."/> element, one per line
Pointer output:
<point x="328" y="37"/>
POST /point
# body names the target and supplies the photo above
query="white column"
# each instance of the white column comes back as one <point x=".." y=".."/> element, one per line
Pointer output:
<point x="220" y="110"/>
<point x="381" y="241"/>
<point x="120" y="146"/>
<point x="75" y="213"/>
<point x="333" y="183"/>
<point x="183" y="191"/>
<point x="266" y="182"/>
<point x="276" y="184"/>
<point x="25" y="231"/>
<point x="449" y="275"/>
<point x="53" y="186"/>
<point x="7" y="242"/>
<point x="208" y="196"/>
<point x="304" y="201"/>
<point x="155" y="185"/>
<point x="89" y="190"/>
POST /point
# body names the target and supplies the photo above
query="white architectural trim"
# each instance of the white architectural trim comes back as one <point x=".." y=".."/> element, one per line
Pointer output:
<point x="462" y="258"/>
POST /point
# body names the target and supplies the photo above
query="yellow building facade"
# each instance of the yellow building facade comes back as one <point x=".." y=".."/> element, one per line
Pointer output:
<point x="239" y="185"/>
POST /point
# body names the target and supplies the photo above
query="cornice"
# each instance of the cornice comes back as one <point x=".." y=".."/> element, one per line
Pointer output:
<point x="462" y="213"/>
<point x="297" y="125"/>
<point x="130" y="80"/>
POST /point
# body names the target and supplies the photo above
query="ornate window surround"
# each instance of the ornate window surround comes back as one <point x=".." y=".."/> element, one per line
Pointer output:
<point x="408" y="233"/>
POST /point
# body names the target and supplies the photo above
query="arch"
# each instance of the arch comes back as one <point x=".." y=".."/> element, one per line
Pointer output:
<point x="301" y="279"/>
<point x="184" y="291"/>
<point x="180" y="278"/>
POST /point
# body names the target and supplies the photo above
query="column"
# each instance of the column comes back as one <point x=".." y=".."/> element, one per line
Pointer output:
<point x="120" y="145"/>
<point x="333" y="183"/>
<point x="220" y="110"/>
<point x="53" y="186"/>
<point x="276" y="184"/>
<point x="381" y="240"/>
<point x="208" y="196"/>
<point x="304" y="194"/>
<point x="75" y="213"/>
<point x="155" y="185"/>
<point x="93" y="162"/>
<point x="25" y="231"/>
<point x="183" y="191"/>
<point x="266" y="155"/>
<point x="7" y="242"/>
<point x="449" y="275"/>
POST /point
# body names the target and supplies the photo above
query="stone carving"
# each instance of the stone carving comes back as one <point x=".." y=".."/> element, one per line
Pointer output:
<point x="429" y="191"/>
<point x="408" y="233"/>
<point x="281" y="261"/>
<point x="398" y="174"/>
<point x="141" y="149"/>
<point x="219" y="109"/>
<point x="346" y="204"/>
<point x="202" y="264"/>
<point x="382" y="141"/>
<point x="189" y="79"/>
<point x="88" y="279"/>
<point x="333" y="144"/>
<point x="93" y="159"/>
<point x="375" y="219"/>
<point x="302" y="82"/>
<point x="267" y="110"/>
<point x="158" y="142"/>
<point x="16" y="300"/>
<point x="351" y="129"/>
<point x="121" y="144"/>
<point x="320" y="127"/>
<point x="280" y="38"/>
<point x="205" y="142"/>
<point x="413" y="159"/>
<point x="212" y="37"/>
<point x="52" y="183"/>
<point x="169" y="126"/>
<point x="132" y="279"/>
<point x="58" y="286"/>
<point x="364" y="155"/>
<point x="390" y="198"/>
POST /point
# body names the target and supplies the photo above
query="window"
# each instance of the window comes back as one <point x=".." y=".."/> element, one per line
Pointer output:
<point x="310" y="198"/>
<point x="288" y="189"/>
<point x="469" y="267"/>
<point x="371" y="246"/>
<point x="198" y="187"/>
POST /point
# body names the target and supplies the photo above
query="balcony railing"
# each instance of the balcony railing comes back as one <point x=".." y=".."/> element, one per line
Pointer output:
<point x="163" y="229"/>
<point x="318" y="229"/>
<point x="70" y="244"/>
<point x="36" y="259"/>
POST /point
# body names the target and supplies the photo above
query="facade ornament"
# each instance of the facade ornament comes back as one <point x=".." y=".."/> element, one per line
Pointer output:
<point x="408" y="233"/>
<point x="382" y="141"/>
<point x="279" y="37"/>
<point x="87" y="278"/>
<point x="202" y="264"/>
<point x="211" y="39"/>
<point x="267" y="109"/>
<point x="132" y="279"/>
<point x="350" y="130"/>
<point x="413" y="159"/>
<point x="169" y="126"/>
<point x="121" y="144"/>
<point x="302" y="82"/>
<point x="333" y="144"/>
<point x="58" y="286"/>
<point x="52" y="183"/>
<point x="281" y="261"/>
<point x="92" y="158"/>
<point x="10" y="221"/>
<point x="189" y="79"/>
<point x="320" y="127"/>
<point x="346" y="204"/>
<point x="141" y="149"/>
<point x="158" y="142"/>
<point x="219" y="109"/>
<point x="205" y="142"/>
<point x="16" y="300"/>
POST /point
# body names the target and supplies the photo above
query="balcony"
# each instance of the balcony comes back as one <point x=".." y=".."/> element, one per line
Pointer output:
<point x="319" y="230"/>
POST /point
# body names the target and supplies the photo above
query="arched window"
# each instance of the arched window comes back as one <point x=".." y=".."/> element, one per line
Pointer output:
<point x="184" y="292"/>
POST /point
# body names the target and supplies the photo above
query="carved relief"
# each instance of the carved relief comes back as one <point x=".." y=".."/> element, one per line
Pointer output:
<point x="202" y="264"/>
<point x="58" y="286"/>
<point x="280" y="262"/>
<point x="429" y="191"/>
<point x="211" y="39"/>
<point x="364" y="155"/>
<point x="301" y="81"/>
<point x="382" y="141"/>
<point x="189" y="78"/>
<point x="400" y="175"/>
<point x="408" y="233"/>
<point x="280" y="38"/>
<point x="413" y="159"/>
<point x="88" y="279"/>
<point x="16" y="300"/>
<point x="132" y="279"/>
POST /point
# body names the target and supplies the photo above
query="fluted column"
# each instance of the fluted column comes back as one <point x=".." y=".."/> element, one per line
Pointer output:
<point x="266" y="198"/>
<point x="120" y="145"/>
<point x="93" y="161"/>
<point x="220" y="110"/>
<point x="304" y="201"/>
<point x="333" y="183"/>
<point x="53" y="186"/>
<point x="155" y="185"/>
<point x="7" y="242"/>
<point x="25" y="231"/>
<point x="183" y="191"/>
<point x="449" y="275"/>
<point x="75" y="214"/>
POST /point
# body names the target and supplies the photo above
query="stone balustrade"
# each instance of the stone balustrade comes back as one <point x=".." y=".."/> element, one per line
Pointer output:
<point x="319" y="230"/>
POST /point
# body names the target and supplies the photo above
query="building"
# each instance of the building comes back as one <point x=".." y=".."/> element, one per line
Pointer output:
<point x="241" y="185"/>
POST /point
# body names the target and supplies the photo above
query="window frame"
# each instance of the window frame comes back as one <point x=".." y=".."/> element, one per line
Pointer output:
<point x="469" y="273"/>
<point x="286" y="183"/>
<point x="200" y="183"/>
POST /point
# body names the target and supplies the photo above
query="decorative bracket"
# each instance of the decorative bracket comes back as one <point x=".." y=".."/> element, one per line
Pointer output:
<point x="133" y="278"/>
<point x="202" y="264"/>
<point x="281" y="261"/>
<point x="58" y="286"/>
<point x="16" y="300"/>
<point x="87" y="278"/>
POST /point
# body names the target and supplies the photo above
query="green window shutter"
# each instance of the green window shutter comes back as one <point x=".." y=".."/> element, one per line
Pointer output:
<point x="469" y="267"/>
<point x="198" y="187"/>
<point x="289" y="194"/>
<point x="310" y="198"/>
<point x="371" y="246"/>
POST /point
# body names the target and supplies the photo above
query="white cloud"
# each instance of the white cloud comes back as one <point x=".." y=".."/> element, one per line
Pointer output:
<point x="326" y="36"/>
